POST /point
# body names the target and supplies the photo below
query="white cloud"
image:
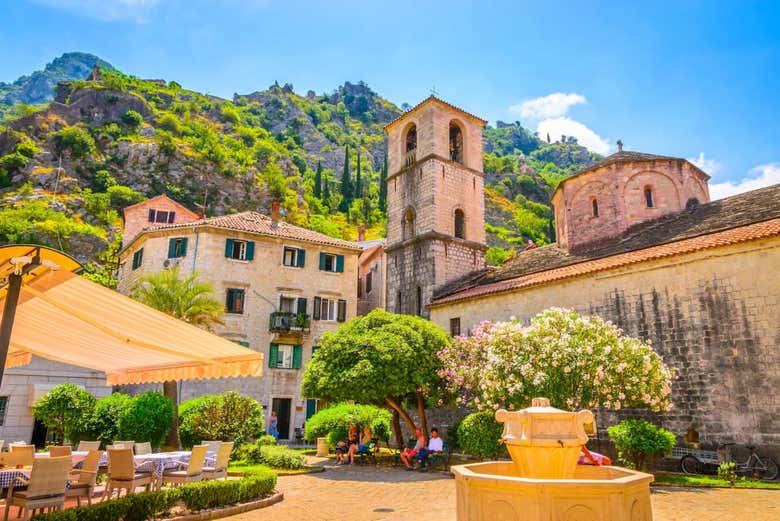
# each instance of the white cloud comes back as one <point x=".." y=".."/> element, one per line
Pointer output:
<point x="553" y="105"/>
<point x="556" y="127"/>
<point x="106" y="10"/>
<point x="759" y="177"/>
<point x="709" y="165"/>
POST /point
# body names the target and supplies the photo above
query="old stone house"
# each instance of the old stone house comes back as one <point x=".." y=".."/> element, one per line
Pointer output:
<point x="372" y="269"/>
<point x="283" y="287"/>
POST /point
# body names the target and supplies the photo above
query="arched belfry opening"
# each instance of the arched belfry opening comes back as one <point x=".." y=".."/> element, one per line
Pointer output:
<point x="460" y="224"/>
<point x="456" y="143"/>
<point x="407" y="226"/>
<point x="410" y="145"/>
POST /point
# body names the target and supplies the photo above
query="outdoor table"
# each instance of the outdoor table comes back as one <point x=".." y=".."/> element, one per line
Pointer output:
<point x="8" y="475"/>
<point x="158" y="462"/>
<point x="77" y="457"/>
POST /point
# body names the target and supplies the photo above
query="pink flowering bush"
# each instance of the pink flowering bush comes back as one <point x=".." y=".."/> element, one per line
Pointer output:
<point x="576" y="361"/>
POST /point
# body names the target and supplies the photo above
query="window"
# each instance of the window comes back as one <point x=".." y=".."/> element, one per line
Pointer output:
<point x="293" y="257"/>
<point x="456" y="143"/>
<point x="328" y="309"/>
<point x="455" y="326"/>
<point x="239" y="250"/>
<point x="285" y="356"/>
<point x="288" y="304"/>
<point x="160" y="216"/>
<point x="360" y="287"/>
<point x="460" y="224"/>
<point x="369" y="281"/>
<point x="138" y="259"/>
<point x="235" y="300"/>
<point x="595" y="207"/>
<point x="399" y="308"/>
<point x="331" y="262"/>
<point x="411" y="139"/>
<point x="407" y="226"/>
<point x="649" y="197"/>
<point x="419" y="301"/>
<point x="177" y="247"/>
<point x="3" y="407"/>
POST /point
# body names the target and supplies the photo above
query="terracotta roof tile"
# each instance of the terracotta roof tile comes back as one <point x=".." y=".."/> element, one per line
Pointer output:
<point x="254" y="222"/>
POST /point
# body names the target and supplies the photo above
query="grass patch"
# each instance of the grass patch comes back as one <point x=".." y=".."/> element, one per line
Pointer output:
<point x="243" y="467"/>
<point x="686" y="480"/>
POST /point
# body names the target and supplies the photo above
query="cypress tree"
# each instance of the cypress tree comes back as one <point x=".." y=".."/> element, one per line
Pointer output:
<point x="358" y="180"/>
<point x="318" y="180"/>
<point x="383" y="186"/>
<point x="326" y="192"/>
<point x="346" y="183"/>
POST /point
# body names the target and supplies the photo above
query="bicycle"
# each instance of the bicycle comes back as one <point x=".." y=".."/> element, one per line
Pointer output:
<point x="756" y="466"/>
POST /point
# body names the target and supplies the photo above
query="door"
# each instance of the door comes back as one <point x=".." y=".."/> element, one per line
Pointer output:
<point x="282" y="407"/>
<point x="39" y="435"/>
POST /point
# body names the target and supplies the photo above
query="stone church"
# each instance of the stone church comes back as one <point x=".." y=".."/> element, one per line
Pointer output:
<point x="638" y="243"/>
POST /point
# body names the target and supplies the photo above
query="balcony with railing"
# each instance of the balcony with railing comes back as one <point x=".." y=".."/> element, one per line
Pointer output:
<point x="288" y="322"/>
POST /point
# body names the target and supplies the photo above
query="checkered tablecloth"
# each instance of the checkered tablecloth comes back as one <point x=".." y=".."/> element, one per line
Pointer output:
<point x="8" y="475"/>
<point x="157" y="463"/>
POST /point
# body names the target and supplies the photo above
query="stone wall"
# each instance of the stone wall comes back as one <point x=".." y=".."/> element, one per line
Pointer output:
<point x="136" y="217"/>
<point x="712" y="315"/>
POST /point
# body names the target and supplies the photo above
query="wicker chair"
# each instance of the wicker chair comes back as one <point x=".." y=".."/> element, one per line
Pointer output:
<point x="22" y="454"/>
<point x="122" y="474"/>
<point x="45" y="488"/>
<point x="194" y="470"/>
<point x="219" y="470"/>
<point x="124" y="444"/>
<point x="213" y="445"/>
<point x="83" y="480"/>
<point x="143" y="448"/>
<point x="56" y="451"/>
<point x="86" y="446"/>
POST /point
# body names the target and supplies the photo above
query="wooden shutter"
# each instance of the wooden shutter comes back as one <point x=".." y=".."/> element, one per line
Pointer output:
<point x="311" y="408"/>
<point x="229" y="300"/>
<point x="273" y="356"/>
<point x="171" y="217"/>
<point x="301" y="258"/>
<point x="183" y="246"/>
<point x="322" y="260"/>
<point x="171" y="248"/>
<point x="342" y="311"/>
<point x="229" y="248"/>
<point x="250" y="250"/>
<point x="339" y="264"/>
<point x="297" y="360"/>
<point x="316" y="311"/>
<point x="151" y="215"/>
<point x="302" y="305"/>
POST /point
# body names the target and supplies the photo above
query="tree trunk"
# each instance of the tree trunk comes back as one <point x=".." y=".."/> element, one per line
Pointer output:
<point x="421" y="411"/>
<point x="399" y="435"/>
<point x="171" y="391"/>
<point x="408" y="419"/>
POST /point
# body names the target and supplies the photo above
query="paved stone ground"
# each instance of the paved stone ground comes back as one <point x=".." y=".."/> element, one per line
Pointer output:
<point x="383" y="493"/>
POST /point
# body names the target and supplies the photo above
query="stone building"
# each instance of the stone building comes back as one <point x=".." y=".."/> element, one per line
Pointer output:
<point x="157" y="210"/>
<point x="283" y="287"/>
<point x="435" y="202"/>
<point x="640" y="245"/>
<point x="372" y="267"/>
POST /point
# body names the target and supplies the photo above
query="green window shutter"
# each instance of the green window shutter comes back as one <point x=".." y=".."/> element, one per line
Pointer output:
<point x="273" y="355"/>
<point x="241" y="343"/>
<point x="229" y="248"/>
<point x="229" y="300"/>
<point x="316" y="311"/>
<point x="171" y="248"/>
<point x="301" y="259"/>
<point x="183" y="246"/>
<point x="342" y="311"/>
<point x="322" y="261"/>
<point x="302" y="305"/>
<point x="339" y="264"/>
<point x="250" y="250"/>
<point x="311" y="408"/>
<point x="297" y="360"/>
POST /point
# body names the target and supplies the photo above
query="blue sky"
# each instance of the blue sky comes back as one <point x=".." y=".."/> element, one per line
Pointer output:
<point x="699" y="80"/>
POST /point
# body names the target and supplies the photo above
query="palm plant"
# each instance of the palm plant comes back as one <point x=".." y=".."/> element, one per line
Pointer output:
<point x="187" y="299"/>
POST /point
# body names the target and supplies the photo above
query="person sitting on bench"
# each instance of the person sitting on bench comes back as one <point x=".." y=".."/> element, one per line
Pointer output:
<point x="407" y="456"/>
<point x="435" y="446"/>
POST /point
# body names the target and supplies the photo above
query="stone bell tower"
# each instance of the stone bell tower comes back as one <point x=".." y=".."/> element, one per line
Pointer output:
<point x="435" y="202"/>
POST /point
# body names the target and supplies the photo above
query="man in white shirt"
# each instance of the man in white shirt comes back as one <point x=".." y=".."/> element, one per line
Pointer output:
<point x="435" y="446"/>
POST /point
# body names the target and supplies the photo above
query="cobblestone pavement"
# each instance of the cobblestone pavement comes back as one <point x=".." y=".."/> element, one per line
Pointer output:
<point x="384" y="493"/>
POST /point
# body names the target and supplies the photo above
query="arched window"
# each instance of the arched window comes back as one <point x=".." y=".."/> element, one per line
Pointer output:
<point x="399" y="308"/>
<point x="408" y="225"/>
<point x="595" y="204"/>
<point x="410" y="146"/>
<point x="456" y="143"/>
<point x="649" y="197"/>
<point x="460" y="224"/>
<point x="419" y="301"/>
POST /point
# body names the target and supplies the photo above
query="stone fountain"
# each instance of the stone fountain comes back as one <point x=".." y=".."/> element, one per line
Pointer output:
<point x="543" y="480"/>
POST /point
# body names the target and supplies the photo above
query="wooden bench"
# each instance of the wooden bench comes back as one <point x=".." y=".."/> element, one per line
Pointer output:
<point x="369" y="453"/>
<point x="410" y="444"/>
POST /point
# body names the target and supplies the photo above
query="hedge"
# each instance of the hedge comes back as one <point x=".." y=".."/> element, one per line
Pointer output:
<point x="334" y="421"/>
<point x="148" y="506"/>
<point x="276" y="456"/>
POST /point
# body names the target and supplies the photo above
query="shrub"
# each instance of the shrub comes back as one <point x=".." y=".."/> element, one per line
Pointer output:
<point x="727" y="471"/>
<point x="104" y="179"/>
<point x="276" y="456"/>
<point x="170" y="123"/>
<point x="148" y="418"/>
<point x="635" y="440"/>
<point x="13" y="162"/>
<point x="227" y="417"/>
<point x="103" y="425"/>
<point x="63" y="410"/>
<point x="334" y="421"/>
<point x="26" y="148"/>
<point x="266" y="439"/>
<point x="123" y="196"/>
<point x="132" y="118"/>
<point x="76" y="140"/>
<point x="479" y="434"/>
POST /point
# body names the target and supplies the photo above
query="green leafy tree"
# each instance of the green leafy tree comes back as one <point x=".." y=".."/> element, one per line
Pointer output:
<point x="227" y="417"/>
<point x="381" y="359"/>
<point x="637" y="440"/>
<point x="188" y="299"/>
<point x="103" y="424"/>
<point x="63" y="410"/>
<point x="479" y="434"/>
<point x="334" y="421"/>
<point x="76" y="140"/>
<point x="149" y="417"/>
<point x="132" y="118"/>
<point x="346" y="184"/>
<point x="318" y="180"/>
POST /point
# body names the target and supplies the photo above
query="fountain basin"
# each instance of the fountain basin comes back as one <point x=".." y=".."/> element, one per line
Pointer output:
<point x="496" y="491"/>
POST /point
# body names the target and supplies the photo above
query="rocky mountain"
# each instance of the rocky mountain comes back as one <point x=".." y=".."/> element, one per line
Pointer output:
<point x="38" y="87"/>
<point x="69" y="167"/>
